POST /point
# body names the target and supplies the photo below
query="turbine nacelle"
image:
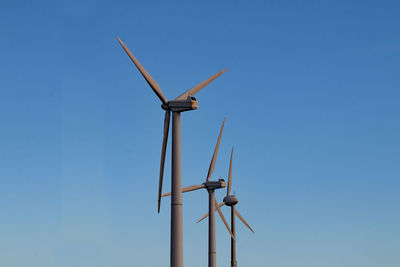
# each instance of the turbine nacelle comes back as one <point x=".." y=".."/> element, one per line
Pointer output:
<point x="180" y="105"/>
<point x="212" y="185"/>
<point x="230" y="200"/>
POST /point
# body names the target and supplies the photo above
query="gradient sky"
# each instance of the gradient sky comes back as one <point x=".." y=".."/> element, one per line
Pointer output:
<point x="311" y="99"/>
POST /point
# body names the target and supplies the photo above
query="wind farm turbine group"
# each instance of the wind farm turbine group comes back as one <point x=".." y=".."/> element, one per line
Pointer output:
<point x="187" y="102"/>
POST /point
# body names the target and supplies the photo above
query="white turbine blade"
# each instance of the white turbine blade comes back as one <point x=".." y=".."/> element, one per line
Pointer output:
<point x="197" y="88"/>
<point x="187" y="189"/>
<point x="166" y="194"/>
<point x="163" y="152"/>
<point x="221" y="215"/>
<point x="153" y="84"/>
<point x="206" y="215"/>
<point x="228" y="191"/>
<point x="214" y="157"/>
<point x="192" y="188"/>
<point x="243" y="220"/>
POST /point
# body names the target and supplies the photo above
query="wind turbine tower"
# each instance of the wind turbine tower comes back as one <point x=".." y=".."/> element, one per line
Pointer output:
<point x="184" y="102"/>
<point x="211" y="186"/>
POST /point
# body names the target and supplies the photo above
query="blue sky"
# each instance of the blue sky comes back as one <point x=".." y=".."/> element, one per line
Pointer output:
<point x="311" y="99"/>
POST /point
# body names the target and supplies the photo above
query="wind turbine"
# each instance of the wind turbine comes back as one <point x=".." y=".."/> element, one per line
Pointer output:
<point x="230" y="201"/>
<point x="212" y="203"/>
<point x="182" y="103"/>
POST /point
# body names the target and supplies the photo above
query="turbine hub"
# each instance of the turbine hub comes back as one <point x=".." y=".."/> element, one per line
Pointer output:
<point x="231" y="200"/>
<point x="165" y="107"/>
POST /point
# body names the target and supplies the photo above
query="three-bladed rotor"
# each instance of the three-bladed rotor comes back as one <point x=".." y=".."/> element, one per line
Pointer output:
<point x="229" y="200"/>
<point x="184" y="102"/>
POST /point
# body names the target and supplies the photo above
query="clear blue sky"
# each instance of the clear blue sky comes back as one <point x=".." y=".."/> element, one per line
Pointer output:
<point x="311" y="99"/>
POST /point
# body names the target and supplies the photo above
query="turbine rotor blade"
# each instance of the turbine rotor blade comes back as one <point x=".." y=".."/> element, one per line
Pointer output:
<point x="163" y="152"/>
<point x="243" y="220"/>
<point x="206" y="215"/>
<point x="153" y="84"/>
<point x="214" y="157"/>
<point x="192" y="188"/>
<point x="228" y="191"/>
<point x="221" y="215"/>
<point x="197" y="88"/>
<point x="166" y="194"/>
<point x="186" y="189"/>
